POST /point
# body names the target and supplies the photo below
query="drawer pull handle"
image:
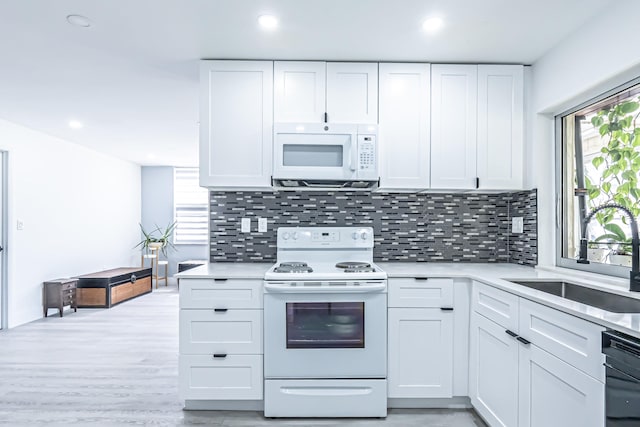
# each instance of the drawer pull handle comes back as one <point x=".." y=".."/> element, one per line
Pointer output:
<point x="219" y="355"/>
<point x="219" y="280"/>
<point x="421" y="278"/>
<point x="220" y="310"/>
<point x="511" y="334"/>
<point x="446" y="308"/>
<point x="523" y="340"/>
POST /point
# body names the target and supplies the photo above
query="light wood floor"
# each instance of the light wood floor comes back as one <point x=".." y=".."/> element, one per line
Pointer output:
<point x="119" y="367"/>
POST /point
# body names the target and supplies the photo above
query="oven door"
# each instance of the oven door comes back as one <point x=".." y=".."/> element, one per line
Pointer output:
<point x="325" y="335"/>
<point x="310" y="152"/>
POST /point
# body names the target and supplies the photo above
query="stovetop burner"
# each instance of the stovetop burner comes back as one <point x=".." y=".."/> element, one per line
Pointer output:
<point x="354" y="265"/>
<point x="293" y="267"/>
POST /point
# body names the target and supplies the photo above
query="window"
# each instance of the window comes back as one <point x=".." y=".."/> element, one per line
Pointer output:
<point x="191" y="208"/>
<point x="599" y="164"/>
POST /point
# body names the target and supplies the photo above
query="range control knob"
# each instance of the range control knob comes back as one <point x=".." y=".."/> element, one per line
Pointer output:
<point x="294" y="236"/>
<point x="285" y="235"/>
<point x="364" y="236"/>
<point x="355" y="236"/>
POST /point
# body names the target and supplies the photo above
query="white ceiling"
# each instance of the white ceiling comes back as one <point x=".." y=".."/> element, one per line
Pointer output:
<point x="132" y="77"/>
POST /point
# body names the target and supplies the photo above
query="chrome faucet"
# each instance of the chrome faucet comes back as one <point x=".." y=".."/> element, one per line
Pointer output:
<point x="634" y="276"/>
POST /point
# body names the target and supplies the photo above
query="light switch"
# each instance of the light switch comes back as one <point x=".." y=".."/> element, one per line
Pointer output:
<point x="20" y="225"/>
<point x="262" y="225"/>
<point x="245" y="225"/>
<point x="517" y="224"/>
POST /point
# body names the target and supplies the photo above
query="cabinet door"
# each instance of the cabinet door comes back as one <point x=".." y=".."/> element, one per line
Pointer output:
<point x="500" y="126"/>
<point x="236" y="120"/>
<point x="404" y="126"/>
<point x="352" y="92"/>
<point x="420" y="352"/>
<point x="493" y="372"/>
<point x="299" y="92"/>
<point x="555" y="394"/>
<point x="453" y="126"/>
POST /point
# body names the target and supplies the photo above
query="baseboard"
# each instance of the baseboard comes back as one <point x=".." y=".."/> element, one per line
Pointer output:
<point x="456" y="402"/>
<point x="222" y="405"/>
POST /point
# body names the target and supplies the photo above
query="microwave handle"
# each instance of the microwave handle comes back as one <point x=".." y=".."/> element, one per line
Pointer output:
<point x="354" y="154"/>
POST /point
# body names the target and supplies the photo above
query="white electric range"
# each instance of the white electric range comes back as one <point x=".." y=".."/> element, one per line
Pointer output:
<point x="325" y="325"/>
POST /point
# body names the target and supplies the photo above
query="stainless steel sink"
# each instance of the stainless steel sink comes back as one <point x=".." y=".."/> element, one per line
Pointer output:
<point x="593" y="297"/>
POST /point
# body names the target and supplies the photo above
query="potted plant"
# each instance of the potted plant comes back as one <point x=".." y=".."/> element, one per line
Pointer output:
<point x="157" y="239"/>
<point x="621" y="255"/>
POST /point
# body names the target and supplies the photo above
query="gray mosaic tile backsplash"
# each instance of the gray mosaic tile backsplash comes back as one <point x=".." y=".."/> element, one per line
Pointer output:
<point x="408" y="227"/>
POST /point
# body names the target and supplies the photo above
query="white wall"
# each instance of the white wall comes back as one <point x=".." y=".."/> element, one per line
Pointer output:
<point x="599" y="56"/>
<point x="80" y="210"/>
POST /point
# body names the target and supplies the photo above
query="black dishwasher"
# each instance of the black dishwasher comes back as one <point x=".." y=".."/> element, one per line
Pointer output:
<point x="622" y="401"/>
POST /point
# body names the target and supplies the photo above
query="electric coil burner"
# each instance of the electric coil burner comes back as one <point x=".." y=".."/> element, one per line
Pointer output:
<point x="325" y="323"/>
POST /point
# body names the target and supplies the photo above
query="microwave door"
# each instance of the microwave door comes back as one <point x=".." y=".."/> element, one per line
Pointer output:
<point x="314" y="156"/>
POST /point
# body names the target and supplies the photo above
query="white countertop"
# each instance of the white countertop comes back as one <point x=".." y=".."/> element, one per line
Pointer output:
<point x="227" y="270"/>
<point x="494" y="274"/>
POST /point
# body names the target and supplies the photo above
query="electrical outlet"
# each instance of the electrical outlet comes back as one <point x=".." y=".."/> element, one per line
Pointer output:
<point x="517" y="225"/>
<point x="245" y="225"/>
<point x="262" y="225"/>
<point x="20" y="225"/>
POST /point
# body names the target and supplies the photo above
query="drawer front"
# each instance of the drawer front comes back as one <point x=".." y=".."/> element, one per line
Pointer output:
<point x="67" y="286"/>
<point x="225" y="332"/>
<point x="121" y="292"/>
<point x="567" y="337"/>
<point x="220" y="293"/>
<point x="235" y="377"/>
<point x="496" y="304"/>
<point x="420" y="293"/>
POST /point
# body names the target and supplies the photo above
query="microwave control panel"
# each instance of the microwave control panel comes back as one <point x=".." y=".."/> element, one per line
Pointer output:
<point x="366" y="152"/>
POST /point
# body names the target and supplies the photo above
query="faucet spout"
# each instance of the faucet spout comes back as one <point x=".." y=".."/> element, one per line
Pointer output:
<point x="634" y="275"/>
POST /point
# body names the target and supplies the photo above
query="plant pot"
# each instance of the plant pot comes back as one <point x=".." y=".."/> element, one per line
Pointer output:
<point x="623" y="260"/>
<point x="597" y="255"/>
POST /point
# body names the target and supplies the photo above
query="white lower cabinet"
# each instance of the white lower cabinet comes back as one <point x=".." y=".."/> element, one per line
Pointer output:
<point x="420" y="352"/>
<point x="493" y="372"/>
<point x="543" y="371"/>
<point x="420" y="340"/>
<point x="221" y="349"/>
<point x="553" y="393"/>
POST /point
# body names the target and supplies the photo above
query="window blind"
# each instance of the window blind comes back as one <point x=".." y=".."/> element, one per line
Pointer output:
<point x="191" y="208"/>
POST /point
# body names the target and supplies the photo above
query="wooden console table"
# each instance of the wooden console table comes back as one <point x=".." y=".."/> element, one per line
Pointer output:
<point x="107" y="288"/>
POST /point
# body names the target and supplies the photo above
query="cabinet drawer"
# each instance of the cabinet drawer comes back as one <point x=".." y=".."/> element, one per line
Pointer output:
<point x="420" y="293"/>
<point x="227" y="332"/>
<point x="567" y="337"/>
<point x="67" y="286"/>
<point x="235" y="377"/>
<point x="220" y="293"/>
<point x="496" y="305"/>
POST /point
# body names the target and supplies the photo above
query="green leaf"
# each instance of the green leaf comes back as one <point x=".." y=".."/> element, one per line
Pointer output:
<point x="629" y="175"/>
<point x="597" y="161"/>
<point x="606" y="187"/>
<point x="597" y="121"/>
<point x="628" y="107"/>
<point x="594" y="192"/>
<point x="616" y="230"/>
<point x="604" y="129"/>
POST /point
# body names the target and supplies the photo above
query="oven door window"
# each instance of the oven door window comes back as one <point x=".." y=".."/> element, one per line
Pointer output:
<point x="325" y="325"/>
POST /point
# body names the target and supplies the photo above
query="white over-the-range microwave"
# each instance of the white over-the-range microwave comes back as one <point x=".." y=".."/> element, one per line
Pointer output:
<point x="325" y="155"/>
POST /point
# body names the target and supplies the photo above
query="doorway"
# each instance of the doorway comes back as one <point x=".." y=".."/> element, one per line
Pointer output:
<point x="4" y="161"/>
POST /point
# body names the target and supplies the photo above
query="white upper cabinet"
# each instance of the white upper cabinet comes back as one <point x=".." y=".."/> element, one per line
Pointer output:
<point x="340" y="92"/>
<point x="236" y="121"/>
<point x="404" y="126"/>
<point x="299" y="91"/>
<point x="500" y="126"/>
<point x="477" y="127"/>
<point x="352" y="92"/>
<point x="453" y="127"/>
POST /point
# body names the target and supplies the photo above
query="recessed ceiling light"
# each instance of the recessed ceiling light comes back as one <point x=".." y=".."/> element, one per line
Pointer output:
<point x="268" y="22"/>
<point x="433" y="24"/>
<point x="75" y="124"/>
<point x="79" y="21"/>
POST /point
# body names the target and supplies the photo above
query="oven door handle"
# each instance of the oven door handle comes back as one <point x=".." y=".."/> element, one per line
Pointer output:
<point x="288" y="289"/>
